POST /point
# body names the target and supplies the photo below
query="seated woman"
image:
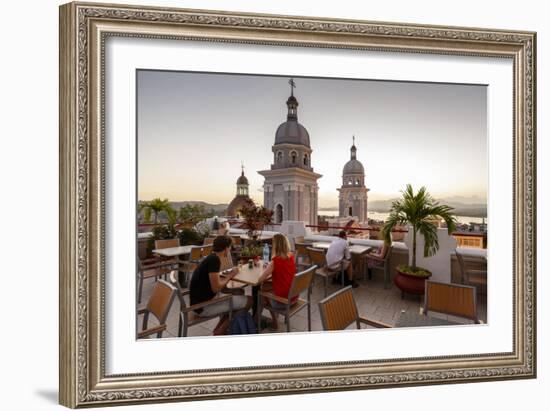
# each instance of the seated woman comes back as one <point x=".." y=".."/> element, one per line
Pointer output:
<point x="281" y="270"/>
<point x="375" y="257"/>
<point x="206" y="283"/>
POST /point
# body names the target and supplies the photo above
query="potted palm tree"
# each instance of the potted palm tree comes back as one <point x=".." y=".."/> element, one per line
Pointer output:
<point x="418" y="210"/>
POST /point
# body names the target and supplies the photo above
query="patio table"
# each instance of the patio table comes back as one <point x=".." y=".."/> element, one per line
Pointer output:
<point x="356" y="250"/>
<point x="173" y="251"/>
<point x="250" y="276"/>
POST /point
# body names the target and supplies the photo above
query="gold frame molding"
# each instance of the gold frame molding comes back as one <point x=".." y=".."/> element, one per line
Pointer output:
<point x="83" y="30"/>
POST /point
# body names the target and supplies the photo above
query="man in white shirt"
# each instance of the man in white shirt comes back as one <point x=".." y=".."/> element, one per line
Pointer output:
<point x="338" y="255"/>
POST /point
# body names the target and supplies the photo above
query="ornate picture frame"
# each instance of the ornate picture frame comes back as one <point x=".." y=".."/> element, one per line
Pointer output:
<point x="84" y="28"/>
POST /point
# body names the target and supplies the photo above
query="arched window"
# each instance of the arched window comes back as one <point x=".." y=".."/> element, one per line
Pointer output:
<point x="279" y="157"/>
<point x="305" y="160"/>
<point x="278" y="213"/>
<point x="293" y="157"/>
<point x="350" y="211"/>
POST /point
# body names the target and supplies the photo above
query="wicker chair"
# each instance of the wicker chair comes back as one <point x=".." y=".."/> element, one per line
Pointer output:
<point x="302" y="281"/>
<point x="451" y="299"/>
<point x="318" y="258"/>
<point x="338" y="311"/>
<point x="159" y="305"/>
<point x="188" y="317"/>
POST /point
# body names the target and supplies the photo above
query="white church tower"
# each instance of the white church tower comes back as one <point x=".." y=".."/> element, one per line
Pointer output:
<point x="290" y="187"/>
<point x="353" y="193"/>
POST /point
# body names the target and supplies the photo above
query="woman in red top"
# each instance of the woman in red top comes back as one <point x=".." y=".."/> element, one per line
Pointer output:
<point x="282" y="270"/>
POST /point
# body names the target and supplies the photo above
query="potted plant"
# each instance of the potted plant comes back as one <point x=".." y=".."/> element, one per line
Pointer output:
<point x="255" y="218"/>
<point x="251" y="252"/>
<point x="418" y="210"/>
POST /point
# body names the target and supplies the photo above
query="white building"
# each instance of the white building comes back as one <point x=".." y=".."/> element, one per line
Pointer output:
<point x="290" y="187"/>
<point x="353" y="193"/>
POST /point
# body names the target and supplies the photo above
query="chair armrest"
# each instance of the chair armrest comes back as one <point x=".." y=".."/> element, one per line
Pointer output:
<point x="372" y="323"/>
<point x="150" y="260"/>
<point x="159" y="264"/>
<point x="274" y="297"/>
<point x="152" y="330"/>
<point x="206" y="303"/>
<point x="479" y="272"/>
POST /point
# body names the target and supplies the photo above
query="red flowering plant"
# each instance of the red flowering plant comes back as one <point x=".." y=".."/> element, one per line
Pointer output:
<point x="255" y="218"/>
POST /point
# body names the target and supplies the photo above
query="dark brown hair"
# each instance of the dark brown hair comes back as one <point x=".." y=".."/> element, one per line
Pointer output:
<point x="342" y="234"/>
<point x="221" y="242"/>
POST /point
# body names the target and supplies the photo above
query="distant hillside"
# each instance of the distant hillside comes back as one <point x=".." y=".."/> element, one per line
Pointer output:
<point x="460" y="208"/>
<point x="216" y="207"/>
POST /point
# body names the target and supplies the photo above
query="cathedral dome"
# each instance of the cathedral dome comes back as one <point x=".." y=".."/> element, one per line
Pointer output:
<point x="242" y="180"/>
<point x="354" y="167"/>
<point x="292" y="132"/>
<point x="235" y="206"/>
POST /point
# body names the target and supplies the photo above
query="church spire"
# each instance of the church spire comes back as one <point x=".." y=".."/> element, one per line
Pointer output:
<point x="353" y="150"/>
<point x="292" y="103"/>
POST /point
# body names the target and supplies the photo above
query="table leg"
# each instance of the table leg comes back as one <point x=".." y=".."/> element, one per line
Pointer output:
<point x="257" y="310"/>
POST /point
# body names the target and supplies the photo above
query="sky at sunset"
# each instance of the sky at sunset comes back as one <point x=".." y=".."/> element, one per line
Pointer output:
<point x="195" y="129"/>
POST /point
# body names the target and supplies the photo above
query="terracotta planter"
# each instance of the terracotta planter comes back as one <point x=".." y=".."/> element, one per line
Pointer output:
<point x="410" y="284"/>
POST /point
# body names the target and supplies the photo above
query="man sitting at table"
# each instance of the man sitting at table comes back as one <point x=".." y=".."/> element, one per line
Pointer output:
<point x="206" y="283"/>
<point x="339" y="257"/>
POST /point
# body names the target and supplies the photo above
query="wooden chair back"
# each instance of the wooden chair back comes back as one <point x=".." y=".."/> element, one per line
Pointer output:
<point x="174" y="280"/>
<point x="339" y="310"/>
<point x="300" y="239"/>
<point x="206" y="250"/>
<point x="142" y="250"/>
<point x="196" y="253"/>
<point x="209" y="240"/>
<point x="461" y="265"/>
<point x="161" y="300"/>
<point x="237" y="240"/>
<point x="169" y="243"/>
<point x="317" y="257"/>
<point x="451" y="299"/>
<point x="301" y="282"/>
<point x="226" y="262"/>
<point x="301" y="249"/>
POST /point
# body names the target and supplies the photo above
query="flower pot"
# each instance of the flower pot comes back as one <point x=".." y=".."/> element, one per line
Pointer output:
<point x="409" y="283"/>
